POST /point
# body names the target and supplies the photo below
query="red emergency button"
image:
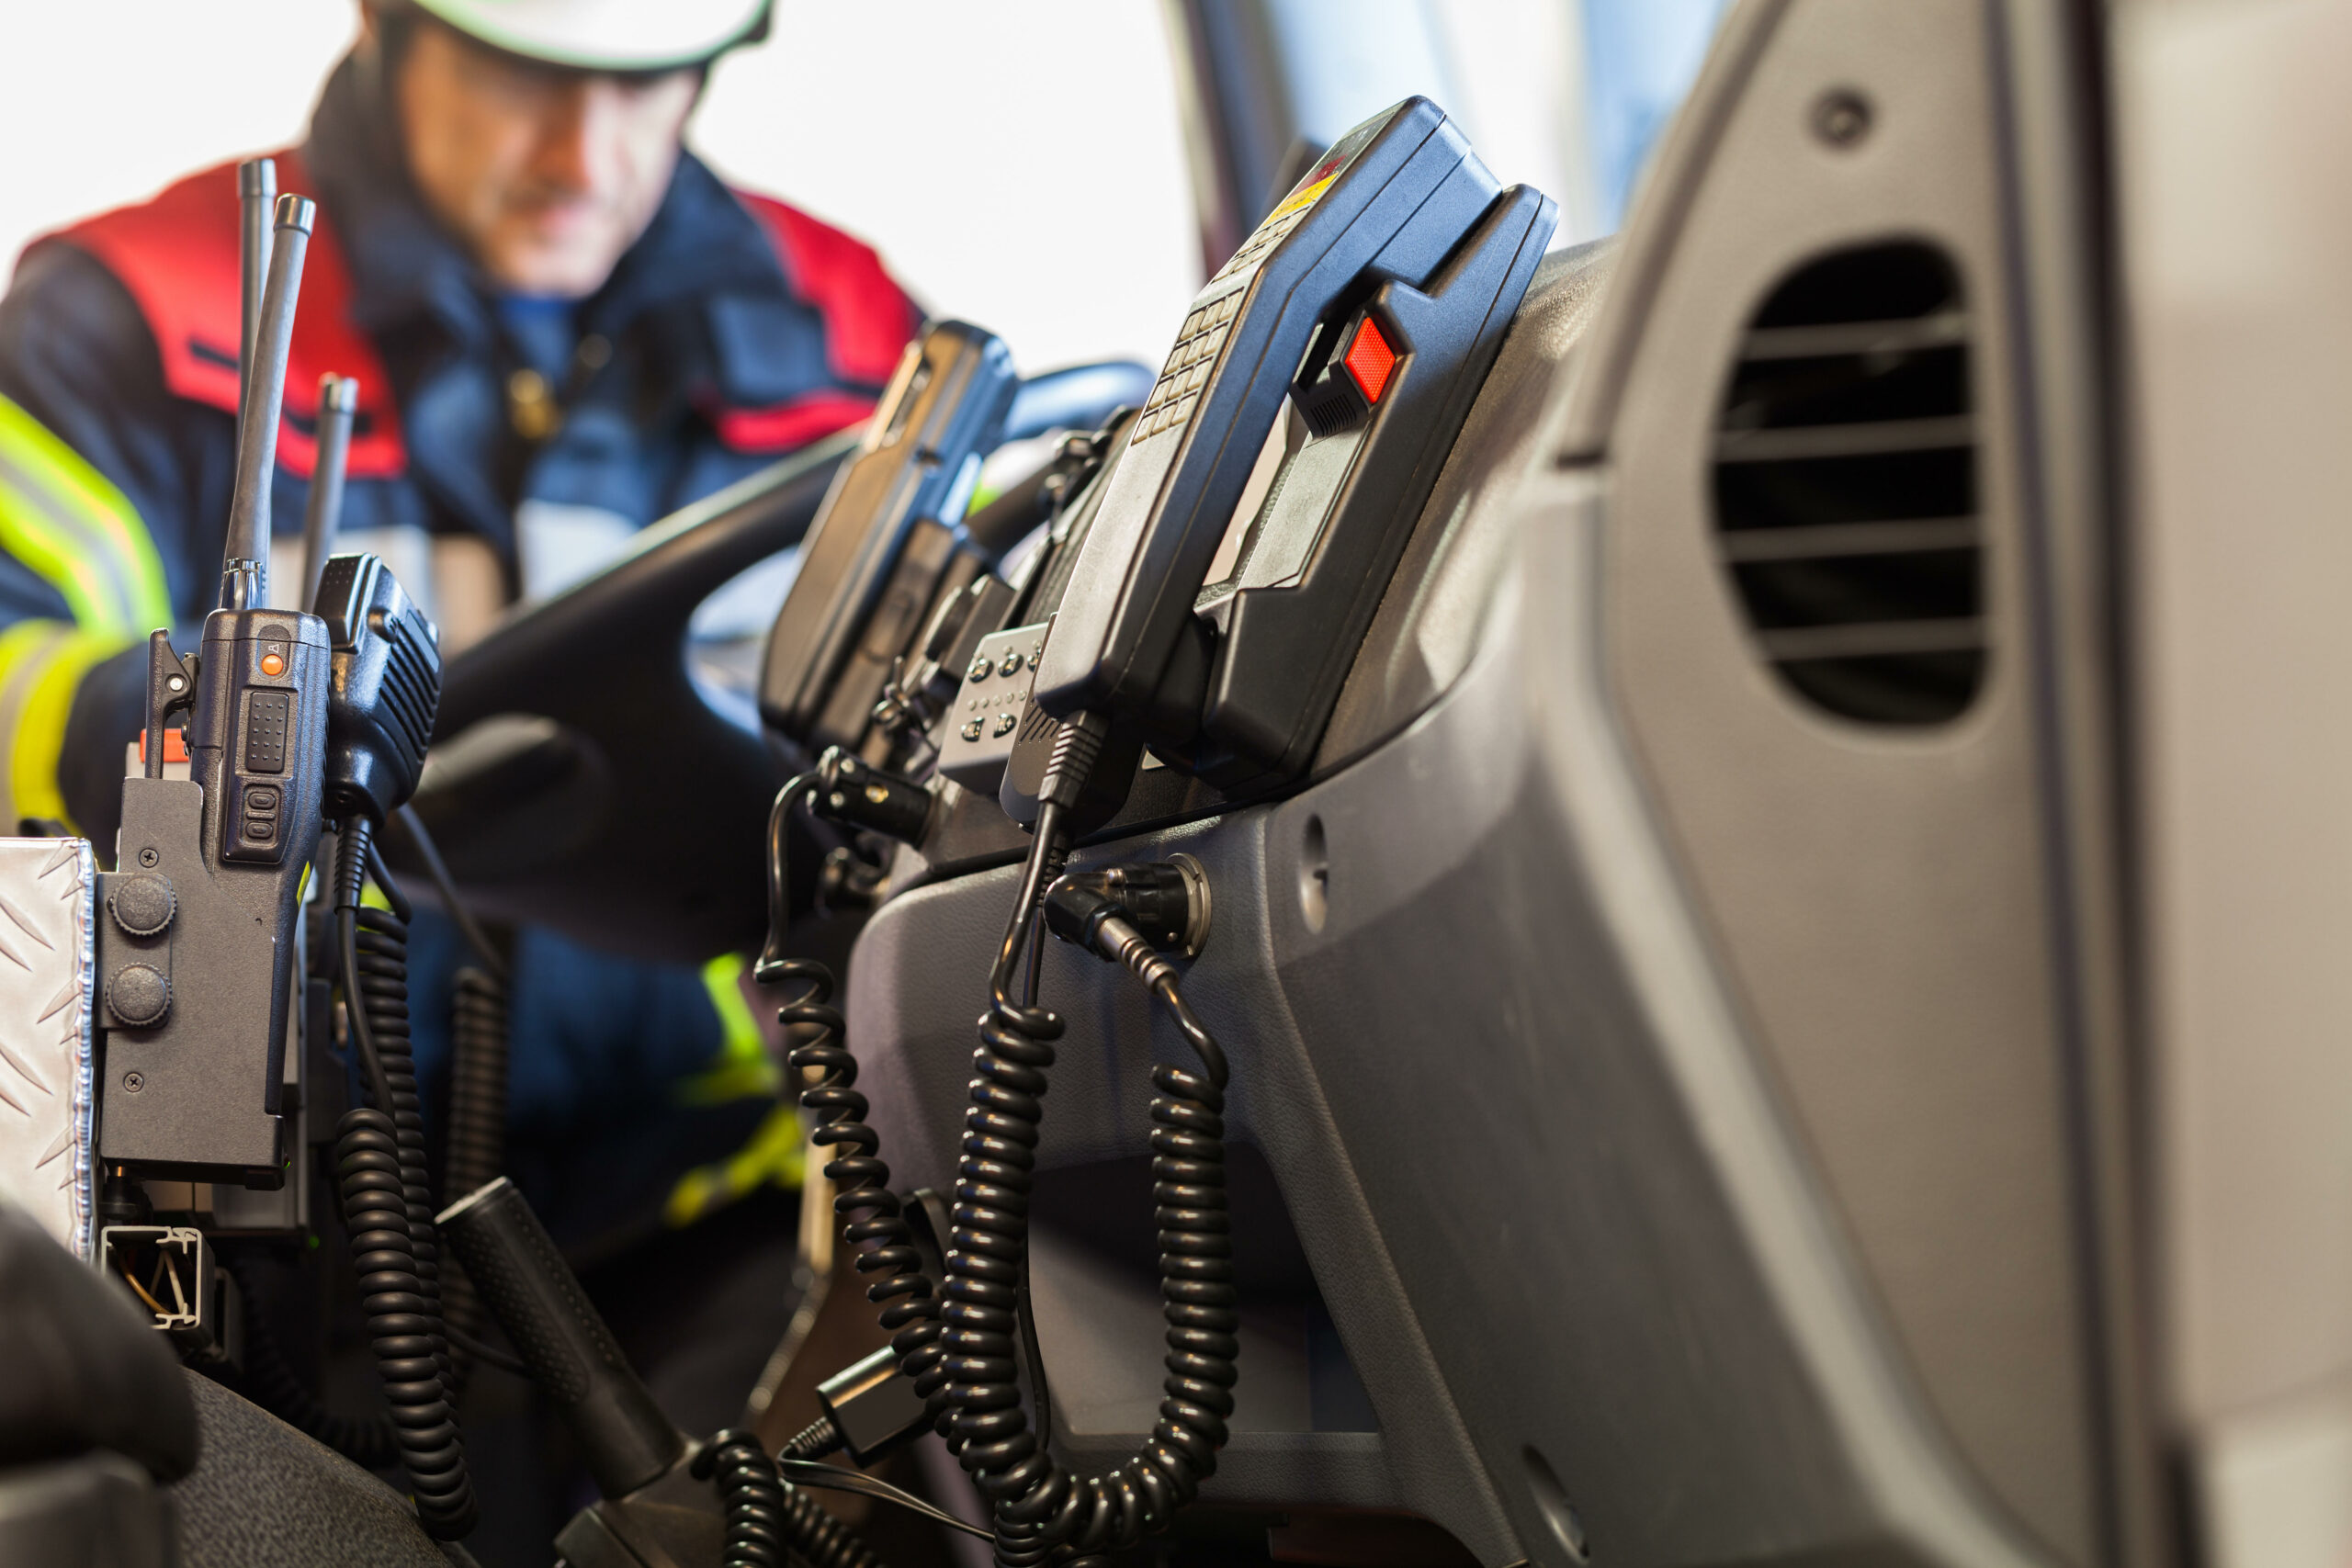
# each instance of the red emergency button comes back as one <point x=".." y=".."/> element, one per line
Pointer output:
<point x="1369" y="359"/>
<point x="273" y="663"/>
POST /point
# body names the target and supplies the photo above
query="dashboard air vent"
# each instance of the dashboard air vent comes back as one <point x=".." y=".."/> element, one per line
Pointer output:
<point x="1844" y="485"/>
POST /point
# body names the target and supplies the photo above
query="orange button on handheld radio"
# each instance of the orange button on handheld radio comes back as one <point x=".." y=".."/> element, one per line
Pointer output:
<point x="273" y="663"/>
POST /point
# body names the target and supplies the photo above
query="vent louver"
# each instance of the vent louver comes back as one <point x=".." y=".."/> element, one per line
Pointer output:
<point x="1845" y="484"/>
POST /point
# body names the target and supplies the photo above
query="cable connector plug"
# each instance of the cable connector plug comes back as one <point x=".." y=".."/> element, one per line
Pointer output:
<point x="871" y="1407"/>
<point x="1076" y="748"/>
<point x="855" y="792"/>
<point x="1162" y="904"/>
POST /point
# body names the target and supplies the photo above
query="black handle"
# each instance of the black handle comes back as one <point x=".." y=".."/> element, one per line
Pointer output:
<point x="579" y="1367"/>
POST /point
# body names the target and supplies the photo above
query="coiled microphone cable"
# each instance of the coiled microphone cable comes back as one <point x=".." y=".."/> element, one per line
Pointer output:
<point x="873" y="1225"/>
<point x="379" y="1162"/>
<point x="271" y="1382"/>
<point x="476" y="1151"/>
<point x="963" y="1357"/>
<point x="769" y="1523"/>
<point x="1043" y="1512"/>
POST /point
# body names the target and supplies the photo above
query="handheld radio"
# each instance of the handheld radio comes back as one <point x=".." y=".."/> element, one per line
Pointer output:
<point x="196" y="954"/>
<point x="889" y="544"/>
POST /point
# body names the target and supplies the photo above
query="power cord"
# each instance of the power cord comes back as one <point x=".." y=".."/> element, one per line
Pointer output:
<point x="832" y="1478"/>
<point x="452" y="902"/>
<point x="1043" y="1512"/>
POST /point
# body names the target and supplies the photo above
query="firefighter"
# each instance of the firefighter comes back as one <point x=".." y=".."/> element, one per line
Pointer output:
<point x="564" y="327"/>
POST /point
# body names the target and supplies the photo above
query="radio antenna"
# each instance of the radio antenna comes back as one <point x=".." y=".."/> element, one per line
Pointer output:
<point x="244" y="570"/>
<point x="338" y="399"/>
<point x="256" y="195"/>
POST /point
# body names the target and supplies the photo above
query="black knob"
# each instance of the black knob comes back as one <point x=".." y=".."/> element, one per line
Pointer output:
<point x="138" y="995"/>
<point x="143" y="903"/>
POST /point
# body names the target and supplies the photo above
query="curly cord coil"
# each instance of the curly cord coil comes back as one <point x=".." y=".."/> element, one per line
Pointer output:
<point x="477" y="1149"/>
<point x="1043" y="1512"/>
<point x="872" y="1222"/>
<point x="380" y="1163"/>
<point x="873" y="1225"/>
<point x="769" y="1523"/>
<point x="271" y="1382"/>
<point x="381" y="941"/>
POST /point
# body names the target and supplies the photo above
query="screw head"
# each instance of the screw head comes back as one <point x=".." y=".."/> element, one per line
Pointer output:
<point x="148" y="857"/>
<point x="133" y="1082"/>
<point x="1842" y="116"/>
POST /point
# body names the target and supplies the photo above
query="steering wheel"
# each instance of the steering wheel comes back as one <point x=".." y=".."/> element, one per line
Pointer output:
<point x="582" y="778"/>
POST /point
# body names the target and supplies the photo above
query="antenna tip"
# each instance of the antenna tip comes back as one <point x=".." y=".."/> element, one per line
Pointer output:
<point x="257" y="176"/>
<point x="296" y="212"/>
<point x="339" y="393"/>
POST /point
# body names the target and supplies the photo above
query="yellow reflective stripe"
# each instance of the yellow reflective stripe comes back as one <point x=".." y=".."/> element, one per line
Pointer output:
<point x="778" y="1152"/>
<point x="723" y="978"/>
<point x="41" y="662"/>
<point x="24" y="651"/>
<point x="742" y="1067"/>
<point x="62" y="518"/>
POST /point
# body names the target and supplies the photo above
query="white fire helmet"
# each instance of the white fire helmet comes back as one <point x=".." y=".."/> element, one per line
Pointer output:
<point x="608" y="35"/>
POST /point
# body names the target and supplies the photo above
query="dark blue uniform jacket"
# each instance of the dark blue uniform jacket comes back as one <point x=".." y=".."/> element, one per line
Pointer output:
<point x="734" y="330"/>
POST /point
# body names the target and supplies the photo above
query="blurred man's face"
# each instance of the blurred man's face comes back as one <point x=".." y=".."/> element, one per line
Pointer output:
<point x="547" y="176"/>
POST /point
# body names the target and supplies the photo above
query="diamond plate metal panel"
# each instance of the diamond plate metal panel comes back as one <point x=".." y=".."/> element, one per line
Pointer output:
<point x="47" y="966"/>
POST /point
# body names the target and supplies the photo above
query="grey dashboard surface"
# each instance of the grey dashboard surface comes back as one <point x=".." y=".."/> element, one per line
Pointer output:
<point x="1578" y="1263"/>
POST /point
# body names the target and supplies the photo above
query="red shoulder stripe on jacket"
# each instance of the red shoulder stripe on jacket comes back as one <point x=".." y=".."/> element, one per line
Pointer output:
<point x="868" y="318"/>
<point x="176" y="255"/>
<point x="789" y="426"/>
<point x="868" y="321"/>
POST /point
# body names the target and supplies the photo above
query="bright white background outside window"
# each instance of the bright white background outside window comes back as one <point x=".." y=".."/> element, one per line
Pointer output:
<point x="1019" y="161"/>
<point x="1050" y="204"/>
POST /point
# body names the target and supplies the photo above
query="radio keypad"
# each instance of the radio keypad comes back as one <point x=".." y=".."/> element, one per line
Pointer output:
<point x="1189" y="363"/>
<point x="978" y="732"/>
<point x="1269" y="234"/>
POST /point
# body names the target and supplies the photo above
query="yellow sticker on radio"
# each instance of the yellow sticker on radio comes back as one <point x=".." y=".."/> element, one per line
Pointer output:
<point x="1305" y="197"/>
